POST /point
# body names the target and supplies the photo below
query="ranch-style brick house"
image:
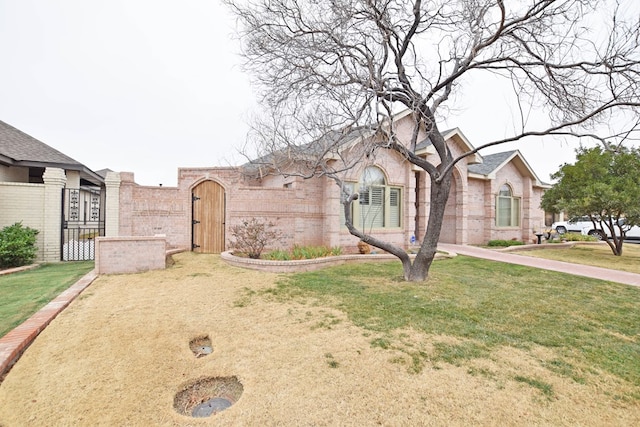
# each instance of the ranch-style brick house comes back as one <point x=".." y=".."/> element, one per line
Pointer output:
<point x="52" y="193"/>
<point x="496" y="196"/>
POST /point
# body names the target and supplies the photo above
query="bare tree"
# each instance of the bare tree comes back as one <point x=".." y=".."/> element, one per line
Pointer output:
<point x="335" y="71"/>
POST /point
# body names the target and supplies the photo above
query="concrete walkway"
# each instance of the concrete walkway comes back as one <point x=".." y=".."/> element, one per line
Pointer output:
<point x="564" y="267"/>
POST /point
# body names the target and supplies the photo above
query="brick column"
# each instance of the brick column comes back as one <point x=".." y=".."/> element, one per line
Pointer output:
<point x="112" y="202"/>
<point x="331" y="208"/>
<point x="54" y="182"/>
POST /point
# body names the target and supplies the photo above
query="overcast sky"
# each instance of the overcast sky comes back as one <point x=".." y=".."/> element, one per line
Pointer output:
<point x="147" y="86"/>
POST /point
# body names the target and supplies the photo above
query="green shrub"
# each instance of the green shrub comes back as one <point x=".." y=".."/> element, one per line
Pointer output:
<point x="303" y="252"/>
<point x="577" y="237"/>
<point x="278" y="255"/>
<point x="17" y="245"/>
<point x="504" y="243"/>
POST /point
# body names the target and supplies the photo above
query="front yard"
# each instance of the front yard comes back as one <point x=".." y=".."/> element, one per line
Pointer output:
<point x="598" y="255"/>
<point x="24" y="293"/>
<point x="481" y="343"/>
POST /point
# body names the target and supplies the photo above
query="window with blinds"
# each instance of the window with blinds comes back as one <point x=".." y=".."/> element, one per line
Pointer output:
<point x="378" y="205"/>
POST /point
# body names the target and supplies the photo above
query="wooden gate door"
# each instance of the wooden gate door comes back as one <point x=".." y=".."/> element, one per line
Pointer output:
<point x="208" y="210"/>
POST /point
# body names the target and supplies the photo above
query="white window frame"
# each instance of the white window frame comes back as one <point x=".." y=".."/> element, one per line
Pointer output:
<point x="364" y="214"/>
<point x="508" y="208"/>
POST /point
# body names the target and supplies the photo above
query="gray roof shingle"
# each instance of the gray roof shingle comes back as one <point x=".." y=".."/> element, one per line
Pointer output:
<point x="22" y="150"/>
<point x="18" y="147"/>
<point x="490" y="162"/>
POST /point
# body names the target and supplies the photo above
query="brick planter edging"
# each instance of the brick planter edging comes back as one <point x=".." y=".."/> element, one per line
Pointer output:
<point x="294" y="266"/>
<point x="535" y="247"/>
<point x="18" y="269"/>
<point x="18" y="339"/>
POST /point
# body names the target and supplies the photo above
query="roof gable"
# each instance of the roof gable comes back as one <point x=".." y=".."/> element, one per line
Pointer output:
<point x="22" y="150"/>
<point x="492" y="163"/>
<point x="426" y="146"/>
<point x="20" y="147"/>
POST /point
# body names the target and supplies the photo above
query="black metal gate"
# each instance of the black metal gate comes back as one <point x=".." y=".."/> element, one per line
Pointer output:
<point x="82" y="221"/>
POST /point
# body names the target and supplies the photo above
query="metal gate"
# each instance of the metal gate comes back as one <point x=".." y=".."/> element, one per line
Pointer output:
<point x="82" y="221"/>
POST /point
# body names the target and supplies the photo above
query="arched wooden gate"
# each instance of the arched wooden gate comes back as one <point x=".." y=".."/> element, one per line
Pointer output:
<point x="208" y="213"/>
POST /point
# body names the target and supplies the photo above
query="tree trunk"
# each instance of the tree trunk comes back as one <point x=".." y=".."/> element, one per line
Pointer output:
<point x="615" y="243"/>
<point x="419" y="271"/>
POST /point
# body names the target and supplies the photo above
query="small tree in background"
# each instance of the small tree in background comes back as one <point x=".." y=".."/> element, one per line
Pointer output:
<point x="603" y="184"/>
<point x="253" y="235"/>
<point x="17" y="245"/>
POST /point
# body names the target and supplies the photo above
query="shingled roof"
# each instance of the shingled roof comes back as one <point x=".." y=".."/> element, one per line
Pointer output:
<point x="22" y="150"/>
<point x="491" y="162"/>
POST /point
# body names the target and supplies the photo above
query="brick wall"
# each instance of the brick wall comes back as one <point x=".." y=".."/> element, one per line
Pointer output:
<point x="148" y="211"/>
<point x="54" y="181"/>
<point x="116" y="255"/>
<point x="23" y="202"/>
<point x="478" y="204"/>
<point x="307" y="212"/>
<point x="532" y="216"/>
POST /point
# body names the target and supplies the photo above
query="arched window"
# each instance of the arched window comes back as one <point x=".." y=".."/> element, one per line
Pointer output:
<point x="378" y="205"/>
<point x="507" y="208"/>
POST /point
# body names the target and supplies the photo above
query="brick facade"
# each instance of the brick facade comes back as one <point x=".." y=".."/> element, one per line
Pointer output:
<point x="36" y="206"/>
<point x="307" y="212"/>
<point x="118" y="255"/>
<point x="24" y="202"/>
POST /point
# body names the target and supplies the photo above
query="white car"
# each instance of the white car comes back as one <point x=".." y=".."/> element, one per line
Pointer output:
<point x="631" y="234"/>
<point x="577" y="225"/>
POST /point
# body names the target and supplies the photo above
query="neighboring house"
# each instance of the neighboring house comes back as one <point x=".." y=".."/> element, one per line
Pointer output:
<point x="492" y="197"/>
<point x="33" y="176"/>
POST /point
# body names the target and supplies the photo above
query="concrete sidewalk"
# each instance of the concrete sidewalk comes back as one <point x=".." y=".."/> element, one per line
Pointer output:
<point x="564" y="267"/>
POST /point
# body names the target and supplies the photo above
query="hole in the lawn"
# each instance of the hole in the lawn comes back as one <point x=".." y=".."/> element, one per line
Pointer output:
<point x="201" y="346"/>
<point x="207" y="396"/>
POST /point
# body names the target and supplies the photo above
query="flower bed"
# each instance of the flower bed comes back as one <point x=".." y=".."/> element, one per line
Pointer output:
<point x="306" y="264"/>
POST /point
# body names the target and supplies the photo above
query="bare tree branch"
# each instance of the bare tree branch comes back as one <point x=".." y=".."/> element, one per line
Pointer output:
<point x="333" y="74"/>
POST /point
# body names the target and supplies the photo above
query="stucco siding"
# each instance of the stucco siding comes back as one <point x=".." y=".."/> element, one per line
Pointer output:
<point x="13" y="174"/>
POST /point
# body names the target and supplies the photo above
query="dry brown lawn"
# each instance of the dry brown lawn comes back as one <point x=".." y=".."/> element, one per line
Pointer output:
<point x="120" y="353"/>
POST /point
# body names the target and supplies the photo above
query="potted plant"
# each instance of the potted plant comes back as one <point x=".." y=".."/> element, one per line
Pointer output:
<point x="363" y="247"/>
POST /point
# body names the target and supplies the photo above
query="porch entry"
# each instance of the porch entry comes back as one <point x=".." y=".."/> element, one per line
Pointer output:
<point x="207" y="213"/>
<point x="83" y="219"/>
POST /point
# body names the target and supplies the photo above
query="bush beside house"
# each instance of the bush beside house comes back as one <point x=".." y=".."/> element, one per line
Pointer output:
<point x="17" y="245"/>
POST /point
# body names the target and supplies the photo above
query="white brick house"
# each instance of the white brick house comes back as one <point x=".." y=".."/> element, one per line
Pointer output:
<point x="32" y="177"/>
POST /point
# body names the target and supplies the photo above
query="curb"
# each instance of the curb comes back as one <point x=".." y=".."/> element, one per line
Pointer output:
<point x="18" y="339"/>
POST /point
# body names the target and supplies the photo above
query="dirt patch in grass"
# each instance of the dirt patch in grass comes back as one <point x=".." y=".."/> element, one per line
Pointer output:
<point x="121" y="354"/>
